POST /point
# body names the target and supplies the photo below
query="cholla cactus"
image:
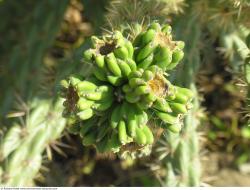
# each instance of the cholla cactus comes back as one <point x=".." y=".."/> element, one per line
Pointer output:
<point x="182" y="163"/>
<point x="22" y="147"/>
<point x="222" y="15"/>
<point x="124" y="15"/>
<point x="110" y="109"/>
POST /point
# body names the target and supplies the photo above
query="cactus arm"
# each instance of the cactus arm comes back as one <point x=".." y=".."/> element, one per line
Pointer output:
<point x="35" y="31"/>
<point x="23" y="60"/>
<point x="21" y="165"/>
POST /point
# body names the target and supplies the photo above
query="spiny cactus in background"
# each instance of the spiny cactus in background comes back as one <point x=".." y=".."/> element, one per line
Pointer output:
<point x="222" y="15"/>
<point x="235" y="51"/>
<point x="122" y="15"/>
<point x="38" y="26"/>
<point x="22" y="144"/>
<point x="110" y="109"/>
<point x="22" y="147"/>
<point x="183" y="165"/>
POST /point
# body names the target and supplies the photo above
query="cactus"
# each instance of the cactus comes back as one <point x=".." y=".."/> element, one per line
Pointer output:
<point x="23" y="55"/>
<point x="121" y="15"/>
<point x="110" y="108"/>
<point x="182" y="164"/>
<point x="183" y="168"/>
<point x="20" y="148"/>
<point x="132" y="89"/>
<point x="234" y="46"/>
<point x="24" y="143"/>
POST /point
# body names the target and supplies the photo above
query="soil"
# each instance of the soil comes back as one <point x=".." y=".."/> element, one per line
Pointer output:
<point x="220" y="173"/>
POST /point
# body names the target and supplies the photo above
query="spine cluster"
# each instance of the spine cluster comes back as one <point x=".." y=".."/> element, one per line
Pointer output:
<point x="129" y="86"/>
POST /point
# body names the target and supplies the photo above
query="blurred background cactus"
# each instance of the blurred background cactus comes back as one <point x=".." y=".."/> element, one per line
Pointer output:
<point x="43" y="42"/>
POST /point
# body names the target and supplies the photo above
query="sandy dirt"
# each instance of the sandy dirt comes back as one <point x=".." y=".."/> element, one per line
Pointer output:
<point x="218" y="171"/>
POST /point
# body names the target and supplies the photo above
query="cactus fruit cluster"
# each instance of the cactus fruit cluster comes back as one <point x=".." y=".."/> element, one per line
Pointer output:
<point x="128" y="87"/>
<point x="156" y="46"/>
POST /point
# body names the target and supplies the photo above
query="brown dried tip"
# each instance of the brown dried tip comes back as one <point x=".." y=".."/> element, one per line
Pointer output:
<point x="164" y="40"/>
<point x="106" y="156"/>
<point x="131" y="147"/>
<point x="71" y="99"/>
<point x="104" y="48"/>
<point x="158" y="86"/>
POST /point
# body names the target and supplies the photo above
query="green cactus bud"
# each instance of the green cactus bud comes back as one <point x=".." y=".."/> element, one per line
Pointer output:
<point x="85" y="114"/>
<point x="89" y="139"/>
<point x="88" y="55"/>
<point x="140" y="137"/>
<point x="122" y="132"/>
<point x="148" y="36"/>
